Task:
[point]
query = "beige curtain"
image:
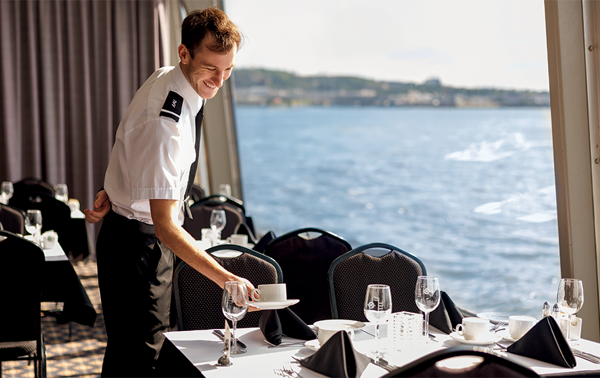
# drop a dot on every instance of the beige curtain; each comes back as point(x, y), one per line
point(69, 70)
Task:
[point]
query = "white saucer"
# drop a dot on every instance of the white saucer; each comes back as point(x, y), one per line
point(273, 305)
point(355, 325)
point(506, 336)
point(313, 344)
point(492, 338)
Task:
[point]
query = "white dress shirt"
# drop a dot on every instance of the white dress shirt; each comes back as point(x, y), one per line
point(154, 147)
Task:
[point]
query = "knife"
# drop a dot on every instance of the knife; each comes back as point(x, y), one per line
point(220, 335)
point(587, 356)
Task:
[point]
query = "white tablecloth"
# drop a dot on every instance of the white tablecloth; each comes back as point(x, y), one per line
point(204, 349)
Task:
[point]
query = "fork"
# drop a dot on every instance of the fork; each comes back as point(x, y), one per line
point(497, 326)
point(287, 368)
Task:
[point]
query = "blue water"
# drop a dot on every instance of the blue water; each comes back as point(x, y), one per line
point(469, 191)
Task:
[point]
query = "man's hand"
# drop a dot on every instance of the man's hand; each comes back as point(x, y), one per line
point(101, 208)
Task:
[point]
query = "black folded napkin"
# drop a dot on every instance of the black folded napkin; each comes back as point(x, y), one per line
point(545, 342)
point(337, 358)
point(276, 323)
point(446, 316)
point(264, 241)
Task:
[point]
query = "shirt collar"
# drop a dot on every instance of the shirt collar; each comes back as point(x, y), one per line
point(190, 95)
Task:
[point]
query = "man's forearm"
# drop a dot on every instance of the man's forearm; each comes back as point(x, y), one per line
point(181, 242)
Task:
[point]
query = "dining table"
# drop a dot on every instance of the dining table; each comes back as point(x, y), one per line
point(195, 353)
point(62, 284)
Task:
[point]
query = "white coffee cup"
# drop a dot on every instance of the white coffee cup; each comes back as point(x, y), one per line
point(238, 239)
point(473, 328)
point(270, 293)
point(49, 239)
point(518, 325)
point(325, 332)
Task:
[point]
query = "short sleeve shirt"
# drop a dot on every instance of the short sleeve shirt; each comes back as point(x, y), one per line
point(154, 146)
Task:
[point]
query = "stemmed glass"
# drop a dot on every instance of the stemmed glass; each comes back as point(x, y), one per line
point(235, 306)
point(217, 222)
point(33, 224)
point(6, 191)
point(427, 297)
point(61, 192)
point(570, 298)
point(378, 309)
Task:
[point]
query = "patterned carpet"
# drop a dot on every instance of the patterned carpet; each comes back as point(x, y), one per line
point(81, 356)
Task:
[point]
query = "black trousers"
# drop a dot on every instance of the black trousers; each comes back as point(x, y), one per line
point(135, 279)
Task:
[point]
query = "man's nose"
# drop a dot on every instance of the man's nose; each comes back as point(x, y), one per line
point(219, 78)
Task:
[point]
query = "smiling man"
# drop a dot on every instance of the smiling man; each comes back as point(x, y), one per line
point(150, 172)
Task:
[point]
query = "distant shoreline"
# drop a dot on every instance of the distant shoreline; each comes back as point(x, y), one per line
point(276, 88)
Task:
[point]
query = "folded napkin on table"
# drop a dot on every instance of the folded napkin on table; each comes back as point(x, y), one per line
point(545, 342)
point(337, 358)
point(446, 316)
point(276, 323)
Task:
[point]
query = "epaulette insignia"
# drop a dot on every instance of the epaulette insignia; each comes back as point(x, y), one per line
point(172, 106)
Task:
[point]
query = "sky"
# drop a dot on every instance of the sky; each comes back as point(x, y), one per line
point(464, 43)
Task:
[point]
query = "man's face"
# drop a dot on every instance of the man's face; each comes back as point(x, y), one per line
point(207, 71)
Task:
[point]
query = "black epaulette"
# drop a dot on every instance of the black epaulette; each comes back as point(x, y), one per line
point(172, 106)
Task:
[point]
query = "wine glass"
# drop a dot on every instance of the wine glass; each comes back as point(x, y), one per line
point(378, 309)
point(33, 224)
point(217, 222)
point(6, 191)
point(235, 306)
point(225, 190)
point(61, 192)
point(570, 298)
point(427, 297)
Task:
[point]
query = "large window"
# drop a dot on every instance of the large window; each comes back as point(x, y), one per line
point(461, 179)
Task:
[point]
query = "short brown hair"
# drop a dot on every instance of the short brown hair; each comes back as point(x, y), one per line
point(211, 20)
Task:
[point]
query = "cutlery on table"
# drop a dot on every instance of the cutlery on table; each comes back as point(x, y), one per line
point(383, 364)
point(220, 335)
point(271, 345)
point(586, 356)
point(287, 368)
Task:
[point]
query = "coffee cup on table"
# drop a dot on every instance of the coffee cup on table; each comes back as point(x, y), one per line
point(518, 325)
point(324, 332)
point(270, 293)
point(238, 239)
point(473, 328)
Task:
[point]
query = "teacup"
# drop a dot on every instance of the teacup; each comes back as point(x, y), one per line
point(325, 332)
point(49, 239)
point(473, 328)
point(270, 293)
point(518, 325)
point(238, 239)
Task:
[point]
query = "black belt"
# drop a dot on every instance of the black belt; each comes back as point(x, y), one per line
point(130, 224)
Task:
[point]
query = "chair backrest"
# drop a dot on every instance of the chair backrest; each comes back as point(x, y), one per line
point(462, 361)
point(21, 278)
point(202, 209)
point(196, 193)
point(376, 263)
point(198, 299)
point(304, 256)
point(12, 219)
point(28, 186)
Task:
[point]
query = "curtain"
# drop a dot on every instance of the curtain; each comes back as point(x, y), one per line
point(69, 71)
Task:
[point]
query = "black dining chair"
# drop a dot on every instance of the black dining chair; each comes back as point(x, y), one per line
point(12, 219)
point(462, 361)
point(198, 299)
point(304, 256)
point(21, 279)
point(376, 263)
point(29, 186)
point(201, 210)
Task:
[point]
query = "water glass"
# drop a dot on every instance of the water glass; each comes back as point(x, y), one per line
point(406, 328)
point(427, 297)
point(217, 222)
point(33, 224)
point(6, 191)
point(570, 298)
point(378, 308)
point(235, 305)
point(61, 192)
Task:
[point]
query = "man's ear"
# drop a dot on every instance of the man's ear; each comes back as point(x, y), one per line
point(184, 54)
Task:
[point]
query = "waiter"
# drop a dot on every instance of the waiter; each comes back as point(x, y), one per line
point(149, 175)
